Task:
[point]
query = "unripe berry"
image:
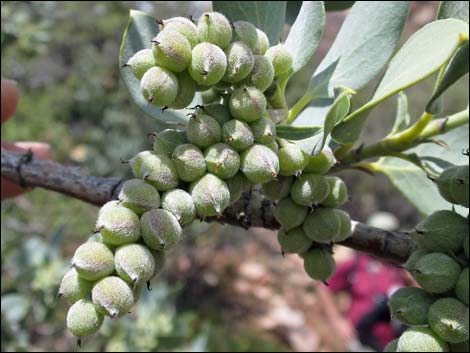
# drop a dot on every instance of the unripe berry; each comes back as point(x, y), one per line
point(310, 189)
point(156, 169)
point(203, 131)
point(240, 62)
point(280, 58)
point(262, 75)
point(277, 189)
point(264, 131)
point(218, 111)
point(346, 226)
point(421, 339)
point(210, 195)
point(237, 134)
point(180, 204)
point(278, 116)
point(262, 43)
point(392, 346)
point(208, 64)
point(171, 50)
point(461, 289)
point(247, 104)
point(273, 146)
point(166, 141)
point(160, 229)
point(213, 27)
point(184, 26)
point(209, 96)
point(436, 273)
point(117, 224)
point(237, 185)
point(141, 62)
point(293, 240)
point(259, 164)
point(319, 264)
point(323, 225)
point(338, 193)
point(73, 287)
point(289, 214)
point(246, 33)
point(93, 261)
point(291, 160)
point(321, 163)
point(134, 263)
point(410, 305)
point(448, 318)
point(112, 296)
point(189, 162)
point(139, 196)
point(410, 264)
point(83, 319)
point(453, 185)
point(222, 160)
point(159, 86)
point(186, 91)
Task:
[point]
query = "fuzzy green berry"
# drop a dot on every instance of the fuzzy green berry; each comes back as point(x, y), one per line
point(310, 189)
point(259, 164)
point(180, 204)
point(211, 195)
point(346, 226)
point(280, 58)
point(134, 263)
point(182, 25)
point(461, 289)
point(410, 264)
point(338, 193)
point(453, 185)
point(141, 62)
point(319, 264)
point(289, 214)
point(112, 296)
point(171, 50)
point(189, 162)
point(291, 160)
point(159, 86)
point(83, 319)
point(93, 260)
point(246, 33)
point(321, 163)
point(262, 43)
point(222, 160)
point(240, 62)
point(247, 104)
point(208, 64)
point(448, 318)
point(186, 91)
point(273, 146)
point(218, 111)
point(323, 225)
point(167, 140)
point(410, 305)
point(264, 131)
point(421, 339)
point(160, 229)
point(278, 189)
point(237, 134)
point(262, 75)
point(209, 96)
point(436, 273)
point(73, 287)
point(237, 185)
point(278, 116)
point(213, 27)
point(156, 169)
point(203, 131)
point(118, 224)
point(293, 240)
point(392, 346)
point(139, 196)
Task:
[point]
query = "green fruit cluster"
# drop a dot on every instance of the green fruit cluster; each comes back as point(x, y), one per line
point(438, 311)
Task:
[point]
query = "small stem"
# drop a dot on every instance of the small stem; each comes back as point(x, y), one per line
point(299, 106)
point(410, 134)
point(441, 126)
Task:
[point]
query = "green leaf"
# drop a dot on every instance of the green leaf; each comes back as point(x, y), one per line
point(338, 111)
point(402, 118)
point(296, 133)
point(268, 16)
point(453, 9)
point(141, 28)
point(457, 68)
point(305, 34)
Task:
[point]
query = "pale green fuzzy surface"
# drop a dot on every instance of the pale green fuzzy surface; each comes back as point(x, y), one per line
point(141, 62)
point(117, 224)
point(322, 225)
point(461, 290)
point(83, 319)
point(208, 64)
point(73, 288)
point(410, 305)
point(156, 169)
point(319, 264)
point(421, 339)
point(293, 240)
point(278, 189)
point(448, 318)
point(346, 226)
point(112, 296)
point(237, 185)
point(436, 273)
point(413, 259)
point(160, 229)
point(260, 164)
point(213, 27)
point(291, 160)
point(442, 231)
point(246, 33)
point(289, 214)
point(189, 162)
point(186, 91)
point(184, 26)
point(203, 131)
point(240, 62)
point(280, 58)
point(219, 112)
point(262, 75)
point(237, 134)
point(139, 196)
point(222, 160)
point(211, 195)
point(321, 163)
point(93, 261)
point(173, 51)
point(166, 141)
point(338, 193)
point(278, 115)
point(247, 104)
point(392, 346)
point(310, 189)
point(159, 86)
point(273, 146)
point(180, 204)
point(262, 42)
point(453, 185)
point(264, 131)
point(134, 263)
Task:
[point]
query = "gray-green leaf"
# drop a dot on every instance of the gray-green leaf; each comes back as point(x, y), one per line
point(338, 111)
point(402, 118)
point(453, 9)
point(296, 133)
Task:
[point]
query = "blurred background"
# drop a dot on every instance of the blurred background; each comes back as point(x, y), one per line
point(224, 289)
